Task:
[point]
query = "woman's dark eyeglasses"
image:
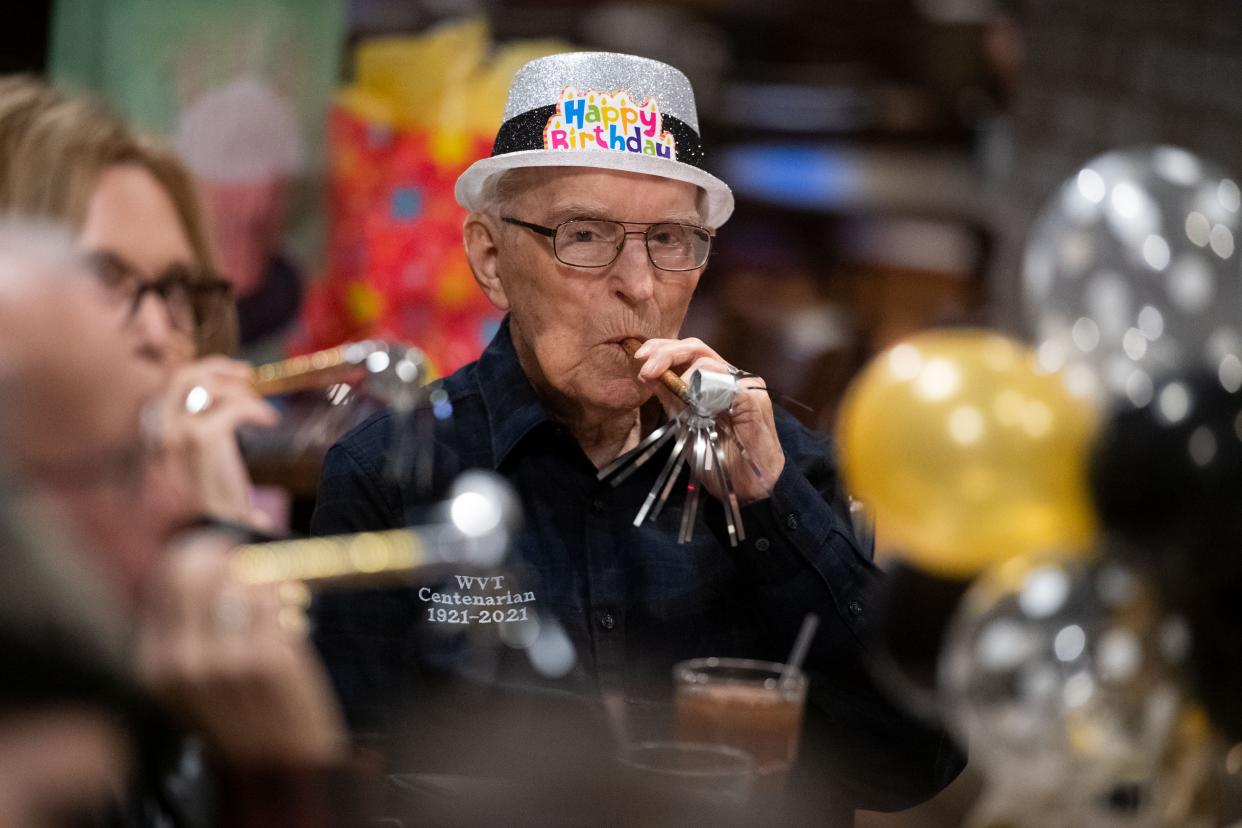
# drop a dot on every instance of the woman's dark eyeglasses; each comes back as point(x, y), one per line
point(598, 242)
point(196, 298)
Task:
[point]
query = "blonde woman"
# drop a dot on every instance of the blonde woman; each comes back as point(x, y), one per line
point(215, 652)
point(134, 211)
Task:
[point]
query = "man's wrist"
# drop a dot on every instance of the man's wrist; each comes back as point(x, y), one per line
point(768, 481)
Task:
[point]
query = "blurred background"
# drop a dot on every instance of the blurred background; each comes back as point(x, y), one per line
point(867, 141)
point(889, 157)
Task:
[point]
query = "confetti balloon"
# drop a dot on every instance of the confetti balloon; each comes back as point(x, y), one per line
point(1132, 271)
point(966, 452)
point(1064, 678)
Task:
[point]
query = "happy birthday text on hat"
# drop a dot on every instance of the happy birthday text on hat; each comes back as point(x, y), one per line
point(612, 121)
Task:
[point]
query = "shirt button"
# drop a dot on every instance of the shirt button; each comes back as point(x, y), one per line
point(606, 621)
point(792, 522)
point(598, 504)
point(762, 544)
point(855, 608)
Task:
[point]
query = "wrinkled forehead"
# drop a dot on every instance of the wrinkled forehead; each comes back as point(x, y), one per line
point(598, 193)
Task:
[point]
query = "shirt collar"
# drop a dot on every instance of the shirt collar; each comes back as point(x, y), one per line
point(513, 408)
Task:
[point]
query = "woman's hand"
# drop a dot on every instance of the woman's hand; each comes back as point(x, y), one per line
point(233, 660)
point(203, 404)
point(751, 416)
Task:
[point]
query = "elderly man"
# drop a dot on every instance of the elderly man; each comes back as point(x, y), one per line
point(591, 224)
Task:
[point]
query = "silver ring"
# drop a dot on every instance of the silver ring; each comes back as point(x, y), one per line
point(197, 400)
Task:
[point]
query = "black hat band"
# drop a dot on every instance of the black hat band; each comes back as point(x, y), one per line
point(526, 132)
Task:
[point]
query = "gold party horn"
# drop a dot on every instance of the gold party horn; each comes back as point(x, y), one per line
point(316, 370)
point(482, 510)
point(670, 380)
point(370, 557)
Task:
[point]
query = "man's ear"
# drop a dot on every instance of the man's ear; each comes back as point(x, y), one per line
point(482, 237)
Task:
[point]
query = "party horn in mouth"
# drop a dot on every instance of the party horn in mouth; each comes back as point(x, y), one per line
point(670, 380)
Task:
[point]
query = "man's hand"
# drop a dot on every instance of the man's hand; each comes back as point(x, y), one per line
point(751, 415)
point(233, 660)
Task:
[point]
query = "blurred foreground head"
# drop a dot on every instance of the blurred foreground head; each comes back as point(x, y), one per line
point(73, 399)
point(65, 752)
point(67, 698)
point(130, 204)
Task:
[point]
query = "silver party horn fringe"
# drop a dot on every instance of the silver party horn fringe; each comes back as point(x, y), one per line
point(698, 431)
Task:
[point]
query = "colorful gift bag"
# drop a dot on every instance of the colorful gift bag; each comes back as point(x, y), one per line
point(421, 110)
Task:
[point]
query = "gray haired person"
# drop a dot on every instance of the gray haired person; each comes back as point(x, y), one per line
point(591, 224)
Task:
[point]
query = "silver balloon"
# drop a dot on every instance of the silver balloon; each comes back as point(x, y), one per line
point(1132, 270)
point(1062, 677)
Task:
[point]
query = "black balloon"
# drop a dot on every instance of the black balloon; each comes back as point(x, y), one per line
point(1168, 476)
point(1167, 483)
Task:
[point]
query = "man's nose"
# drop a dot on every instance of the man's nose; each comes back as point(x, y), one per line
point(633, 272)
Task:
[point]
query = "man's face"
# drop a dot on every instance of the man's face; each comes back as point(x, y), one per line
point(74, 427)
point(569, 321)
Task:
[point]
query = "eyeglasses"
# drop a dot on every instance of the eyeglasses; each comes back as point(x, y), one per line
point(598, 242)
point(196, 298)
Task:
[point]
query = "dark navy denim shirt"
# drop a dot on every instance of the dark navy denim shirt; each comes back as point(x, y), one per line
point(632, 600)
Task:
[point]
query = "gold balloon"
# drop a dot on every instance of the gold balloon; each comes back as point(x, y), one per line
point(966, 452)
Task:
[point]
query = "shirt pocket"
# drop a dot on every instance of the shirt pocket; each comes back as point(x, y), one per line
point(668, 581)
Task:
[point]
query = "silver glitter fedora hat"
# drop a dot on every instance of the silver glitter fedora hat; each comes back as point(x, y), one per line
point(603, 110)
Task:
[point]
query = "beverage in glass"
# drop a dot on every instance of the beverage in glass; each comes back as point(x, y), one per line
point(746, 705)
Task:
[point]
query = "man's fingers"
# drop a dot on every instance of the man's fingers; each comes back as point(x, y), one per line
point(223, 654)
point(705, 363)
point(645, 349)
point(192, 576)
point(660, 355)
point(671, 402)
point(182, 618)
point(751, 415)
point(754, 391)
